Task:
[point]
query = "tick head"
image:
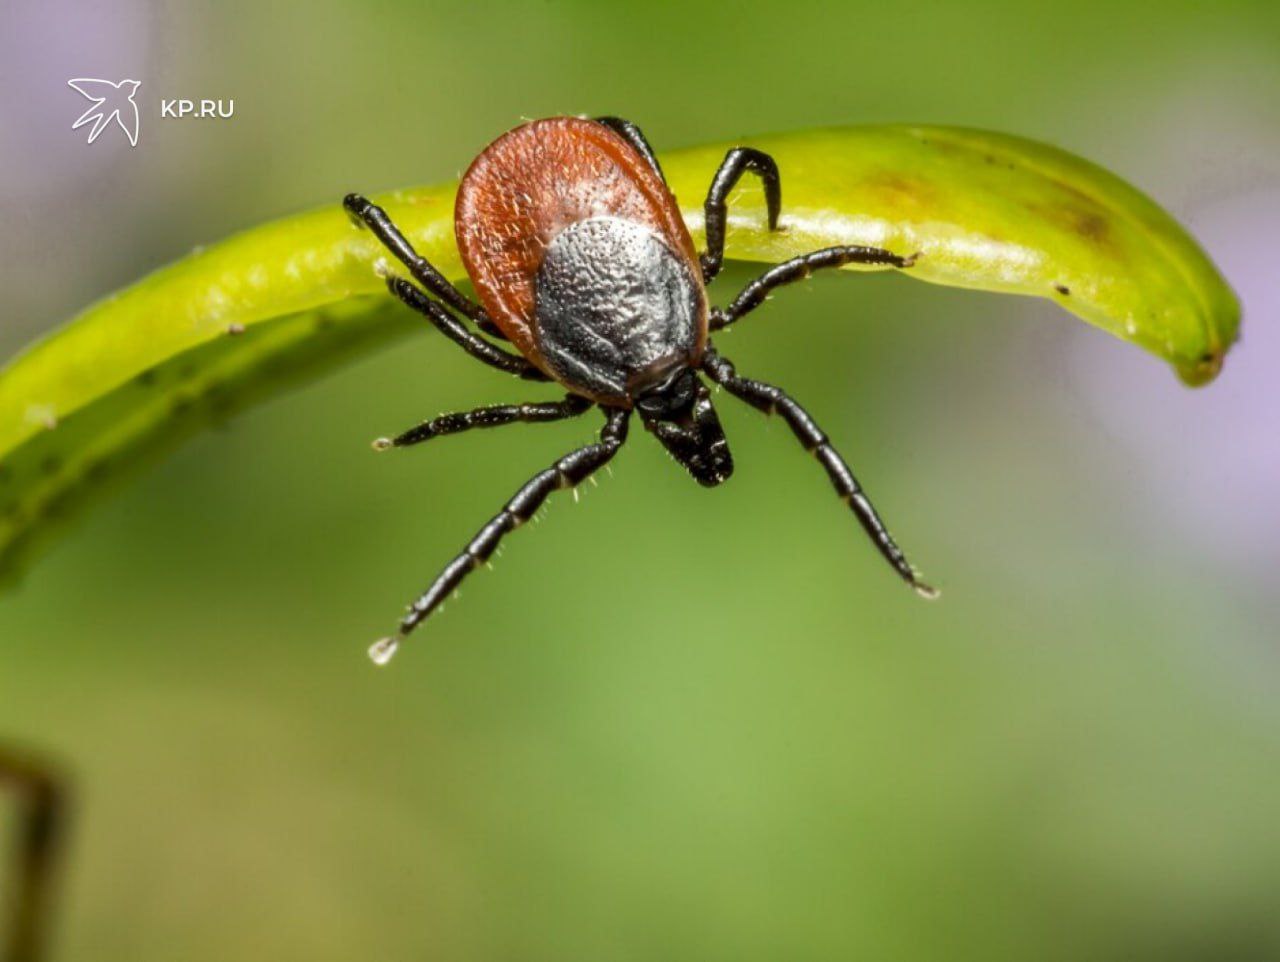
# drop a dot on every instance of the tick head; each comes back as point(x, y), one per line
point(678, 411)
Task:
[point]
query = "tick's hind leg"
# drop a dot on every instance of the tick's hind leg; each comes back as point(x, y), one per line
point(798, 269)
point(487, 417)
point(633, 135)
point(368, 214)
point(571, 469)
point(771, 400)
point(42, 805)
point(736, 163)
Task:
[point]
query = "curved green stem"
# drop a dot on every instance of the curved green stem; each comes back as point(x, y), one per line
point(230, 324)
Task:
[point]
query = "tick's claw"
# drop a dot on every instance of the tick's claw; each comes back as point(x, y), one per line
point(384, 649)
point(383, 444)
point(927, 592)
point(355, 205)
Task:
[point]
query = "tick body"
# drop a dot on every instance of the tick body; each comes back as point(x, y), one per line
point(581, 260)
point(579, 254)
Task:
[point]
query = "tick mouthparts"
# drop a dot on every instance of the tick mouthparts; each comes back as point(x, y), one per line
point(384, 649)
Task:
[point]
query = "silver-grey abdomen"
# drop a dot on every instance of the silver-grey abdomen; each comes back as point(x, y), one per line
point(615, 305)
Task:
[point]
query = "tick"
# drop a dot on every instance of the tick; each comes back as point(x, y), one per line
point(582, 262)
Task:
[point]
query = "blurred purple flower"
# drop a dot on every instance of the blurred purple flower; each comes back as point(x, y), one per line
point(43, 44)
point(1213, 454)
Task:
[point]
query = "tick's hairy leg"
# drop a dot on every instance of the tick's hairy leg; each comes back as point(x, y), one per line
point(568, 472)
point(368, 214)
point(633, 135)
point(736, 162)
point(456, 331)
point(773, 400)
point(487, 417)
point(798, 269)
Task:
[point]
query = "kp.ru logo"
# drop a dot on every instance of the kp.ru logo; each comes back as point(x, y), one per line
point(197, 108)
point(114, 101)
point(111, 101)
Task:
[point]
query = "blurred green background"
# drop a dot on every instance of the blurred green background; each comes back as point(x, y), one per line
point(672, 723)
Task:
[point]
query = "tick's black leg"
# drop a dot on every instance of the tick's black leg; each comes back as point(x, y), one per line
point(457, 332)
point(365, 212)
point(736, 162)
point(797, 269)
point(42, 806)
point(632, 134)
point(571, 469)
point(771, 400)
point(487, 417)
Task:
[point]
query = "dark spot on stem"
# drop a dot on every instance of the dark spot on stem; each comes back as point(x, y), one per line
point(1062, 289)
point(50, 464)
point(1090, 225)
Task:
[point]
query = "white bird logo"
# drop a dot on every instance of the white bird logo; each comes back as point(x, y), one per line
point(111, 101)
